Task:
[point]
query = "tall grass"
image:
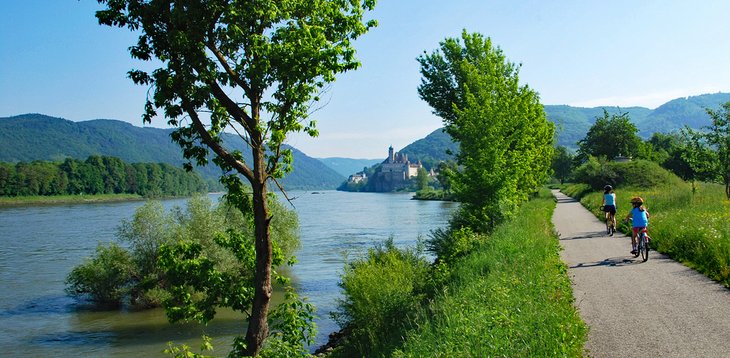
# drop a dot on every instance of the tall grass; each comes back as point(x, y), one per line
point(510, 297)
point(690, 228)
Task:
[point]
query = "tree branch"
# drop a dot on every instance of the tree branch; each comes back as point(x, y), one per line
point(232, 107)
point(214, 145)
point(286, 196)
point(222, 60)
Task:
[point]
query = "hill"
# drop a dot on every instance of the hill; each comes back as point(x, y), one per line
point(572, 123)
point(431, 149)
point(348, 166)
point(31, 137)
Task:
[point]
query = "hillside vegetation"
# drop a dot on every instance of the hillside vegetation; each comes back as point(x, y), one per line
point(432, 149)
point(30, 137)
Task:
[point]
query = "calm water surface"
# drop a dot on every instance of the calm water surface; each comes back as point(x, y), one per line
point(40, 245)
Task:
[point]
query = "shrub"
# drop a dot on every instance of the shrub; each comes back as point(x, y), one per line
point(143, 282)
point(105, 278)
point(381, 290)
point(448, 245)
point(639, 173)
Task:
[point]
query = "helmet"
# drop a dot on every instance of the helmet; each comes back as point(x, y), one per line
point(637, 200)
point(607, 187)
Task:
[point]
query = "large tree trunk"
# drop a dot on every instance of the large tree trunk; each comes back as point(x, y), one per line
point(258, 328)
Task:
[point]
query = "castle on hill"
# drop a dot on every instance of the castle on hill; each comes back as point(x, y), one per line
point(394, 173)
point(398, 167)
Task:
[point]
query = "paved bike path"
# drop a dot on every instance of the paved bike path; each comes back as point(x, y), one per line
point(658, 308)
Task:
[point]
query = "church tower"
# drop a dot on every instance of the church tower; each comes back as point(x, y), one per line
point(391, 155)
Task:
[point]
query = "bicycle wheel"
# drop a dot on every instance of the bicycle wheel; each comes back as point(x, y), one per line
point(644, 248)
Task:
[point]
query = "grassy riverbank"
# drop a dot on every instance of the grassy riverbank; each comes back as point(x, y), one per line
point(691, 228)
point(433, 194)
point(67, 199)
point(509, 296)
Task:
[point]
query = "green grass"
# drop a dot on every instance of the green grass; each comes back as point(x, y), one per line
point(433, 194)
point(510, 297)
point(66, 199)
point(691, 228)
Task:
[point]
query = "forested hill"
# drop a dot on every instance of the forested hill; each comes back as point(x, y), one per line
point(431, 149)
point(31, 137)
point(572, 123)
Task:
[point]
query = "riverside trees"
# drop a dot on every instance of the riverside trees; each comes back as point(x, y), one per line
point(253, 68)
point(505, 140)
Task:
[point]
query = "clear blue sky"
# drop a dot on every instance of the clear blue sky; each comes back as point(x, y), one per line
point(56, 60)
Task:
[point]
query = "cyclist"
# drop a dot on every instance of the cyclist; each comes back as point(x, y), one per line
point(640, 218)
point(609, 206)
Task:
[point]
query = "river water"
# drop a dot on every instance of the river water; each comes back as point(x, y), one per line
point(39, 245)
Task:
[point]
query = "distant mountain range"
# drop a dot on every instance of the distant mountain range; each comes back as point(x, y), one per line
point(572, 123)
point(349, 166)
point(31, 137)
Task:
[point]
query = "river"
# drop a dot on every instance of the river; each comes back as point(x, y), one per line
point(39, 245)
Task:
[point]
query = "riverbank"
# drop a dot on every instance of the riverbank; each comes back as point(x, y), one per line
point(509, 296)
point(434, 194)
point(68, 199)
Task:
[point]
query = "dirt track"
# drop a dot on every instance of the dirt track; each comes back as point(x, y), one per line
point(657, 308)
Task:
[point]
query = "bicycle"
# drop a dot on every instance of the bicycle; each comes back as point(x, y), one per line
point(642, 246)
point(642, 243)
point(610, 221)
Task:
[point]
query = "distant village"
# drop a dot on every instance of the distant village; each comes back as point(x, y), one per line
point(393, 174)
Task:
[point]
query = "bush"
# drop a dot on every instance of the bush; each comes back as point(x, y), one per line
point(639, 173)
point(115, 274)
point(380, 291)
point(448, 245)
point(105, 278)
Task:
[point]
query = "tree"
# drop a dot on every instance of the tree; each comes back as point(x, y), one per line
point(446, 171)
point(562, 163)
point(253, 68)
point(611, 136)
point(422, 179)
point(505, 140)
point(718, 136)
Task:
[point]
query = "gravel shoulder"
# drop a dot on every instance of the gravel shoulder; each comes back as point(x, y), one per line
point(658, 308)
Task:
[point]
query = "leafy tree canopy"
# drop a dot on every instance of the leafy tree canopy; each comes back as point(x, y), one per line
point(505, 140)
point(611, 136)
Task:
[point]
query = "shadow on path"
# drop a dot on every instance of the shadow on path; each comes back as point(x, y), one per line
point(566, 199)
point(589, 235)
point(609, 262)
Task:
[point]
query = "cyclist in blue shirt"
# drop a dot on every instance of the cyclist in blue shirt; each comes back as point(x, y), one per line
point(640, 220)
point(609, 206)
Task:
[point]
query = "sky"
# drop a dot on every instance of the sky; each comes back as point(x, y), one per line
point(56, 60)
